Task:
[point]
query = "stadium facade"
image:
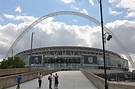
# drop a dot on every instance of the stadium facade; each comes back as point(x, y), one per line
point(73, 57)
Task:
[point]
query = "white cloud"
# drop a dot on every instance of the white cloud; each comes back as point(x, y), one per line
point(84, 11)
point(47, 33)
point(112, 1)
point(130, 5)
point(75, 8)
point(91, 2)
point(114, 12)
point(124, 29)
point(18, 9)
point(9, 16)
point(68, 1)
point(26, 19)
point(131, 14)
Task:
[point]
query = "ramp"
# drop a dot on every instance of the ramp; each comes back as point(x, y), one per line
point(67, 80)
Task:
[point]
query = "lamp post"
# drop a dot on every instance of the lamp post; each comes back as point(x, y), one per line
point(105, 76)
point(31, 51)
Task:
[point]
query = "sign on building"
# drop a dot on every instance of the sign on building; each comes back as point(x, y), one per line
point(90, 59)
point(36, 60)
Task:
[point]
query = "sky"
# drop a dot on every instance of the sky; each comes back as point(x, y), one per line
point(66, 30)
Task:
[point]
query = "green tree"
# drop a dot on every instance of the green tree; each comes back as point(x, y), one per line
point(4, 64)
point(13, 62)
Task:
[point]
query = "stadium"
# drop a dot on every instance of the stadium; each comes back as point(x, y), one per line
point(73, 57)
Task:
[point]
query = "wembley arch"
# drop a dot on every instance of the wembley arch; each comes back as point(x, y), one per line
point(71, 13)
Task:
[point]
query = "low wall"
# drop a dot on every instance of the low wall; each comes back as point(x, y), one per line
point(8, 81)
point(99, 82)
point(121, 85)
point(5, 72)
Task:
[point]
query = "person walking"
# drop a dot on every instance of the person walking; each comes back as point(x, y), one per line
point(50, 81)
point(19, 78)
point(40, 79)
point(53, 78)
point(56, 81)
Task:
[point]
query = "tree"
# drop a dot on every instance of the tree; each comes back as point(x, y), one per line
point(13, 62)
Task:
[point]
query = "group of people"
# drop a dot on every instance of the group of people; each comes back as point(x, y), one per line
point(51, 78)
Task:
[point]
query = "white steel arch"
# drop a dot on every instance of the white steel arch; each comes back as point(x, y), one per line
point(71, 13)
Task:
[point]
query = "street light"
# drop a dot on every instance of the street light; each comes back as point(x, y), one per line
point(31, 51)
point(108, 37)
point(103, 42)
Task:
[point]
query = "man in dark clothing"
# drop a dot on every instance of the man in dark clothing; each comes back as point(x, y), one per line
point(56, 81)
point(19, 78)
point(50, 81)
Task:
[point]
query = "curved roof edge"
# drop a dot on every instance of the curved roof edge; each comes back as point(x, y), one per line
point(71, 47)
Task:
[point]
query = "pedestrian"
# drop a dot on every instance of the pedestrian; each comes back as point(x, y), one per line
point(53, 78)
point(56, 81)
point(50, 81)
point(19, 78)
point(40, 79)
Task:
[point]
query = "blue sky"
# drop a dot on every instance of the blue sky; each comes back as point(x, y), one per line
point(16, 15)
point(42, 7)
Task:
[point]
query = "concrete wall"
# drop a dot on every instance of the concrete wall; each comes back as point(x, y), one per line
point(121, 85)
point(8, 81)
point(4, 72)
point(101, 71)
point(99, 82)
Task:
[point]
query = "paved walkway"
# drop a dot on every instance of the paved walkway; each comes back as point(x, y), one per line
point(67, 80)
